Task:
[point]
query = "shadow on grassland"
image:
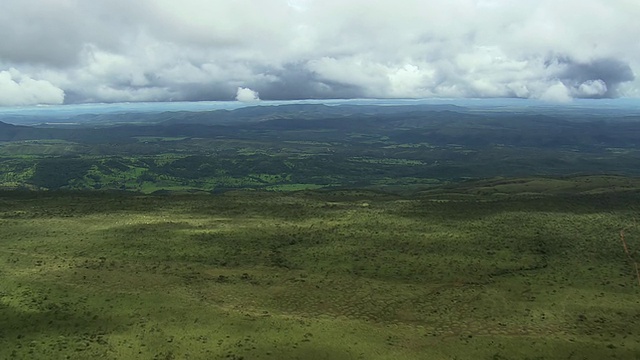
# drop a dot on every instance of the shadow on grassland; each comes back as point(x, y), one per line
point(475, 207)
point(48, 204)
point(56, 328)
point(258, 204)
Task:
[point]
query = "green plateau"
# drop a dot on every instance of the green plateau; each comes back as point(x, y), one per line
point(321, 232)
point(322, 274)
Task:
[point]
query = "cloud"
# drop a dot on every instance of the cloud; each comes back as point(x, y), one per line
point(17, 89)
point(297, 81)
point(247, 95)
point(592, 88)
point(159, 50)
point(597, 78)
point(557, 92)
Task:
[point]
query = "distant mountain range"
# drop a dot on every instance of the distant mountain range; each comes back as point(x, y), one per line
point(440, 124)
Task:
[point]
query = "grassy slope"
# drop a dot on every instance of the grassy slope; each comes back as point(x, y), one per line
point(319, 275)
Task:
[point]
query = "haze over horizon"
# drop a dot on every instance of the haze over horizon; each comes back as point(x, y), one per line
point(105, 51)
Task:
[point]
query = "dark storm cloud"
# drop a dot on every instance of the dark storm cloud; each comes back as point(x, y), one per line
point(612, 72)
point(203, 92)
point(295, 81)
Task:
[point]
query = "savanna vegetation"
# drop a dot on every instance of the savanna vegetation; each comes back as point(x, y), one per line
point(321, 275)
point(397, 236)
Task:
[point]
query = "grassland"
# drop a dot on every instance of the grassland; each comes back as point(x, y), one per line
point(482, 270)
point(329, 233)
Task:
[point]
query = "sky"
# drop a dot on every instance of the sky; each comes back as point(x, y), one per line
point(103, 51)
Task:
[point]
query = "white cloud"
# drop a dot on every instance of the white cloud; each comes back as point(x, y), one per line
point(592, 88)
point(557, 92)
point(411, 81)
point(298, 5)
point(106, 50)
point(247, 95)
point(18, 89)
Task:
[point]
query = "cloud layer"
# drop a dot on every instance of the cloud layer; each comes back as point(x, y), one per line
point(161, 50)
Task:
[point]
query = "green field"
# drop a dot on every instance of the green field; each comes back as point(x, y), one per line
point(479, 270)
point(316, 232)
